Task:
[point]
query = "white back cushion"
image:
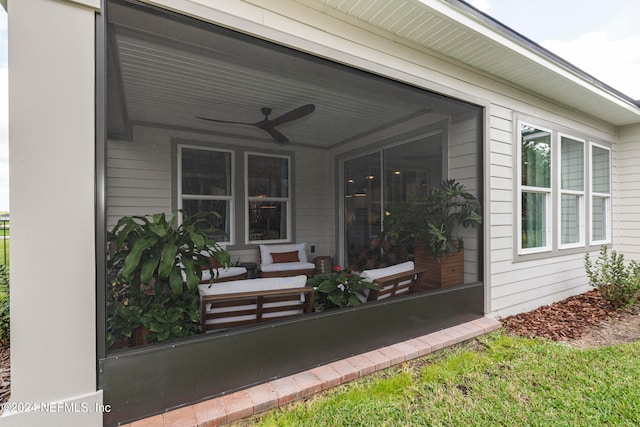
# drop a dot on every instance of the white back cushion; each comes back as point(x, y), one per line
point(376, 273)
point(267, 250)
point(251, 285)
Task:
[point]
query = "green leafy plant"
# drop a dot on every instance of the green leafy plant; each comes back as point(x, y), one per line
point(339, 289)
point(4, 305)
point(435, 219)
point(442, 213)
point(155, 266)
point(617, 281)
point(172, 317)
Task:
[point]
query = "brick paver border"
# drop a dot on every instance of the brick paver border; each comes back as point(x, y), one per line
point(245, 403)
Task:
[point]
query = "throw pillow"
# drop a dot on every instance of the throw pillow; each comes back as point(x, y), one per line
point(285, 257)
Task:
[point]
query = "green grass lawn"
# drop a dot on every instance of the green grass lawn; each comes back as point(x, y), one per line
point(495, 381)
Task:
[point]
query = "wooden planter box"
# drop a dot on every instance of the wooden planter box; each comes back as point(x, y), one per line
point(447, 271)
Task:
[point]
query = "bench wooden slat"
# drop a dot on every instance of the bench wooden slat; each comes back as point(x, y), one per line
point(393, 285)
point(257, 299)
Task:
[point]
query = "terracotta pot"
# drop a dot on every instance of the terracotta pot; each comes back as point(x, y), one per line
point(447, 271)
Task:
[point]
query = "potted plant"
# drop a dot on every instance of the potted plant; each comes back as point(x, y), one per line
point(154, 268)
point(339, 289)
point(440, 217)
point(434, 222)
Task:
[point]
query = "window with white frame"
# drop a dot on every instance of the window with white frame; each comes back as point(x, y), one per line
point(568, 175)
point(535, 189)
point(572, 191)
point(600, 194)
point(205, 184)
point(268, 208)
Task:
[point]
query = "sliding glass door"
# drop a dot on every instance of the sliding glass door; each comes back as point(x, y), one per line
point(376, 182)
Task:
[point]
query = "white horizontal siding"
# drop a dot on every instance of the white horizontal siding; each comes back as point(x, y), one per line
point(627, 193)
point(139, 182)
point(138, 178)
point(517, 285)
point(315, 201)
point(463, 166)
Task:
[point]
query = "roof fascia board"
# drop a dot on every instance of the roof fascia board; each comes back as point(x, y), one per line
point(473, 23)
point(92, 4)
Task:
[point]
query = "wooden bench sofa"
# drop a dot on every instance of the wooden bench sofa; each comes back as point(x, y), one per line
point(225, 305)
point(244, 302)
point(399, 279)
point(285, 260)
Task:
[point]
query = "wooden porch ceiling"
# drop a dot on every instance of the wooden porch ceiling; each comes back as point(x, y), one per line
point(167, 73)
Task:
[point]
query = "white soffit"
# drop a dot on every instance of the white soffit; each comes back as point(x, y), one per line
point(458, 32)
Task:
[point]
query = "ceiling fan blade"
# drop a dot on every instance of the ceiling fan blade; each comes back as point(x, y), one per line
point(295, 114)
point(224, 121)
point(277, 136)
point(269, 126)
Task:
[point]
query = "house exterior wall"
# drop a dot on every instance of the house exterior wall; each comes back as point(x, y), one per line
point(53, 293)
point(512, 284)
point(627, 187)
point(140, 181)
point(462, 165)
point(520, 285)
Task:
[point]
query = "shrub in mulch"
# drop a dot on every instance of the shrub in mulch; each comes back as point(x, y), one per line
point(566, 319)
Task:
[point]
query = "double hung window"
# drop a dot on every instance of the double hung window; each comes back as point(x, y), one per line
point(600, 194)
point(268, 209)
point(572, 190)
point(535, 230)
point(566, 175)
point(205, 184)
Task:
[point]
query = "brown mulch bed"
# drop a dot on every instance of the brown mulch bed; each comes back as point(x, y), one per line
point(585, 320)
point(566, 319)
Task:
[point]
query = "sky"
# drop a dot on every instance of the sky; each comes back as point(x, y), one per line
point(600, 37)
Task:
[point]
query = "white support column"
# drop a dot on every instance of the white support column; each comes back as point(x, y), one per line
point(51, 146)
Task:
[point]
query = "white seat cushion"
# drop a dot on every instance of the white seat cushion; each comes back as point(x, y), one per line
point(252, 285)
point(377, 273)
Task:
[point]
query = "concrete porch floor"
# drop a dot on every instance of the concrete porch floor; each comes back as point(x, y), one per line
point(245, 403)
